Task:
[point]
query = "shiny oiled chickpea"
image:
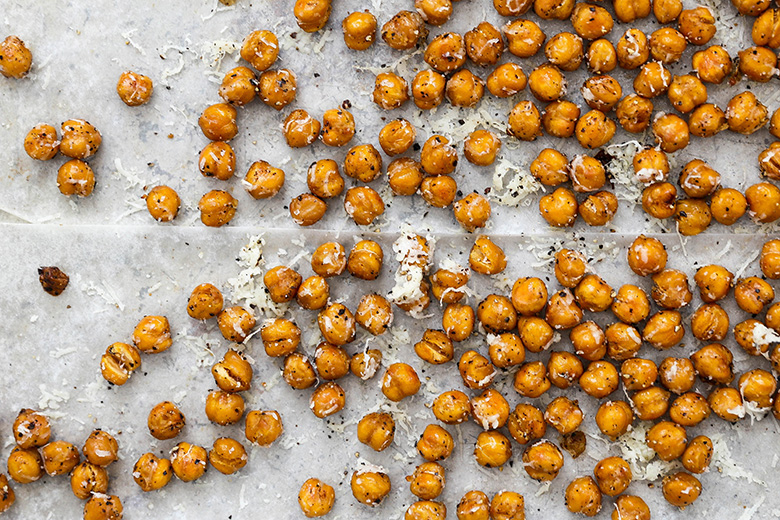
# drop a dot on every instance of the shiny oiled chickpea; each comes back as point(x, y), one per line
point(664, 330)
point(87, 479)
point(594, 129)
point(224, 408)
point(667, 45)
point(570, 267)
point(238, 86)
point(763, 202)
point(751, 7)
point(217, 160)
point(316, 498)
point(370, 487)
point(390, 91)
point(189, 461)
point(768, 160)
point(727, 404)
point(553, 9)
point(614, 418)
point(165, 421)
point(446, 53)
point(745, 114)
point(589, 341)
point(670, 289)
point(505, 350)
point(452, 407)
point(525, 121)
point(397, 136)
point(563, 312)
point(667, 439)
point(426, 510)
point(134, 89)
point(564, 415)
point(634, 112)
point(404, 176)
point(405, 30)
point(435, 443)
point(529, 296)
point(697, 25)
point(227, 455)
point(559, 208)
point(332, 362)
point(458, 321)
point(713, 64)
point(376, 430)
point(300, 129)
point(551, 167)
point(689, 409)
point(743, 333)
point(428, 89)
point(312, 15)
point(476, 370)
point(496, 313)
point(714, 363)
point(601, 92)
point(632, 50)
point(559, 118)
point(547, 83)
point(438, 190)
point(600, 379)
point(565, 51)
point(710, 322)
point(282, 283)
point(757, 387)
point(587, 174)
point(329, 259)
point(630, 507)
point(374, 314)
point(474, 505)
point(535, 333)
point(601, 56)
point(163, 203)
point(727, 205)
point(298, 372)
point(770, 259)
point(363, 204)
point(438, 156)
point(481, 147)
point(753, 294)
point(531, 380)
point(59, 458)
point(338, 127)
point(506, 80)
point(365, 260)
point(472, 211)
point(692, 216)
point(232, 373)
point(671, 132)
point(103, 507)
point(758, 63)
point(434, 347)
point(400, 381)
point(434, 12)
point(524, 37)
point(542, 460)
point(492, 449)
point(15, 62)
point(686, 92)
point(651, 403)
point(707, 120)
point(119, 362)
point(41, 142)
point(100, 448)
point(677, 374)
point(327, 399)
point(218, 122)
point(526, 423)
point(484, 44)
point(75, 177)
point(337, 324)
point(681, 489)
point(652, 80)
point(359, 30)
point(512, 7)
point(593, 293)
point(217, 208)
point(152, 473)
point(613, 475)
point(766, 29)
point(646, 255)
point(651, 165)
point(631, 304)
point(772, 318)
point(464, 89)
point(507, 505)
point(205, 302)
point(235, 323)
point(698, 454)
point(591, 21)
point(263, 181)
point(490, 410)
point(583, 496)
point(638, 374)
point(623, 341)
point(260, 49)
point(25, 466)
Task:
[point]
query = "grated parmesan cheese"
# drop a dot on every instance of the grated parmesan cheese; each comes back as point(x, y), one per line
point(516, 191)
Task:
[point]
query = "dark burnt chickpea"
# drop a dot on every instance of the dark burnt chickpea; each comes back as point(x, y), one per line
point(238, 86)
point(438, 156)
point(490, 409)
point(282, 283)
point(41, 142)
point(686, 92)
point(526, 423)
point(710, 322)
point(550, 167)
point(542, 460)
point(300, 129)
point(646, 255)
point(225, 408)
point(525, 122)
point(484, 44)
point(428, 89)
point(15, 62)
point(564, 415)
point(217, 122)
point(689, 409)
point(472, 211)
point(613, 475)
point(435, 443)
point(594, 129)
point(707, 120)
point(390, 91)
point(650, 403)
point(664, 330)
point(769, 161)
point(714, 363)
point(512, 8)
point(217, 160)
point(365, 260)
point(312, 15)
point(634, 113)
point(338, 127)
point(565, 51)
point(476, 370)
point(75, 177)
point(601, 92)
point(464, 89)
point(758, 63)
point(591, 21)
point(376, 430)
point(506, 80)
point(601, 56)
point(681, 489)
point(205, 302)
point(547, 83)
point(587, 174)
point(163, 203)
point(439, 190)
point(481, 147)
point(446, 53)
point(770, 259)
point(260, 49)
point(134, 89)
point(458, 321)
point(235, 323)
point(559, 208)
point(763, 202)
point(363, 204)
point(614, 418)
point(753, 294)
point(374, 314)
point(359, 30)
point(397, 136)
point(667, 439)
point(600, 379)
point(698, 455)
point(559, 118)
point(745, 114)
point(298, 372)
point(404, 31)
point(307, 209)
point(370, 487)
point(363, 162)
point(324, 180)
point(671, 132)
point(434, 347)
point(652, 80)
point(365, 364)
point(589, 341)
point(453, 407)
point(524, 37)
point(583, 496)
point(492, 449)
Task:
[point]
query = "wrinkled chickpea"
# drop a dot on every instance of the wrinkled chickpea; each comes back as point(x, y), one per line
point(757, 387)
point(614, 418)
point(312, 15)
point(434, 347)
point(239, 86)
point(152, 473)
point(601, 56)
point(31, 429)
point(492, 449)
point(103, 507)
point(681, 489)
point(623, 341)
point(531, 380)
point(280, 337)
point(224, 408)
point(404, 31)
point(400, 381)
point(589, 341)
point(547, 83)
point(664, 329)
point(260, 49)
point(376, 430)
point(524, 37)
point(727, 404)
point(630, 304)
point(651, 403)
point(227, 455)
point(282, 283)
point(634, 113)
point(600, 379)
point(593, 294)
point(591, 21)
point(404, 176)
point(59, 458)
point(435, 443)
point(233, 373)
point(41, 142)
point(374, 314)
point(397, 136)
point(235, 323)
point(486, 257)
point(337, 324)
point(745, 114)
point(458, 321)
point(542, 460)
point(365, 260)
point(217, 208)
point(506, 80)
point(87, 479)
point(474, 505)
point(316, 498)
point(484, 44)
point(300, 129)
point(559, 208)
point(338, 127)
point(587, 174)
point(263, 427)
point(464, 89)
point(428, 88)
point(594, 129)
point(263, 181)
point(481, 147)
point(390, 91)
point(667, 439)
point(298, 372)
point(370, 487)
point(163, 203)
point(613, 475)
point(134, 89)
point(332, 362)
point(75, 177)
point(119, 362)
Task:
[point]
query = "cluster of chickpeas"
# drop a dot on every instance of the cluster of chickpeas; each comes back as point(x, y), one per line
point(152, 335)
point(35, 454)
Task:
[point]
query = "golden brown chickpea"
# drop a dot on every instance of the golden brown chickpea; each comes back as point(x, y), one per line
point(218, 122)
point(453, 407)
point(536, 334)
point(677, 374)
point(405, 30)
point(439, 190)
point(205, 302)
point(103, 507)
point(692, 216)
point(370, 487)
point(100, 448)
point(448, 284)
point(87, 479)
point(505, 350)
point(745, 113)
point(300, 129)
point(359, 30)
point(374, 314)
point(233, 373)
point(282, 283)
point(651, 403)
point(697, 25)
point(332, 362)
point(163, 203)
point(758, 63)
point(667, 11)
point(710, 323)
point(337, 324)
point(526, 423)
point(428, 89)
point(727, 205)
point(15, 62)
point(165, 421)
point(329, 259)
point(512, 8)
point(486, 257)
point(631, 304)
point(446, 52)
point(458, 321)
point(438, 156)
point(434, 347)
point(435, 443)
point(59, 458)
point(225, 408)
point(464, 89)
point(646, 255)
point(277, 88)
point(376, 430)
point(757, 388)
point(623, 341)
point(563, 312)
point(594, 129)
point(751, 7)
point(753, 294)
point(492, 449)
point(686, 92)
point(263, 427)
point(365, 260)
point(714, 363)
point(496, 313)
point(298, 371)
point(770, 259)
point(600, 379)
point(404, 176)
point(712, 64)
point(667, 439)
point(217, 208)
point(396, 137)
point(481, 147)
point(152, 473)
point(324, 180)
point(651, 165)
point(614, 418)
point(633, 51)
point(476, 370)
point(772, 318)
point(524, 37)
point(638, 374)
point(565, 51)
point(671, 132)
point(559, 208)
point(681, 489)
point(553, 9)
point(472, 211)
point(559, 119)
point(589, 341)
point(474, 505)
point(263, 181)
point(41, 142)
point(667, 45)
point(601, 92)
point(664, 330)
point(707, 120)
point(697, 456)
point(743, 333)
point(434, 12)
point(766, 29)
point(525, 122)
point(338, 127)
point(235, 323)
point(31, 429)
point(613, 475)
point(400, 381)
point(652, 80)
point(490, 410)
point(188, 461)
point(689, 409)
point(564, 415)
point(570, 267)
point(134, 89)
point(484, 44)
point(363, 204)
point(591, 21)
point(507, 505)
point(633, 113)
point(630, 507)
point(529, 296)
point(547, 83)
point(727, 404)
point(75, 177)
point(587, 174)
point(670, 289)
point(217, 160)
point(593, 293)
point(763, 202)
point(25, 466)
point(542, 460)
point(260, 49)
point(506, 80)
point(119, 362)
point(768, 160)
point(601, 56)
point(531, 380)
point(227, 455)
point(390, 91)
point(583, 496)
point(312, 15)
point(238, 86)
point(316, 498)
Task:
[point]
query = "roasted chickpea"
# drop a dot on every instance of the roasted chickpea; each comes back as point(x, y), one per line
point(758, 63)
point(770, 260)
point(559, 208)
point(103, 507)
point(263, 181)
point(235, 323)
point(506, 80)
point(24, 466)
point(710, 322)
point(600, 379)
point(282, 283)
point(277, 88)
point(698, 454)
point(599, 208)
point(564, 415)
point(327, 399)
point(438, 156)
point(300, 129)
point(664, 330)
point(707, 120)
point(681, 489)
point(553, 9)
point(472, 211)
point(428, 88)
point(763, 202)
point(134, 89)
point(670, 289)
point(119, 362)
point(486, 257)
point(481, 147)
point(559, 119)
point(646, 255)
point(583, 496)
point(484, 44)
point(687, 92)
point(31, 429)
point(757, 388)
point(316, 498)
point(338, 127)
point(152, 473)
point(434, 12)
point(188, 461)
point(587, 174)
point(87, 479)
point(667, 439)
point(713, 64)
point(298, 372)
point(727, 205)
point(594, 129)
point(601, 56)
point(390, 91)
point(565, 51)
point(591, 21)
point(638, 374)
point(536, 334)
point(218, 122)
point(434, 347)
point(59, 458)
point(542, 460)
point(427, 481)
point(453, 407)
point(671, 132)
point(529, 296)
point(667, 11)
point(238, 86)
point(438, 190)
point(753, 294)
point(15, 62)
point(531, 380)
point(563, 312)
point(446, 52)
point(205, 302)
point(766, 29)
point(396, 137)
point(692, 216)
point(727, 404)
point(312, 15)
point(75, 177)
point(601, 92)
point(547, 83)
point(613, 475)
point(744, 334)
point(689, 409)
point(525, 122)
point(768, 160)
point(505, 350)
point(448, 284)
point(400, 381)
point(524, 37)
point(260, 49)
point(570, 267)
point(217, 208)
point(677, 374)
point(474, 505)
point(631, 304)
point(651, 403)
point(435, 443)
point(490, 410)
point(233, 373)
point(227, 455)
point(80, 140)
point(714, 364)
point(667, 45)
point(589, 341)
point(630, 507)
point(745, 113)
point(376, 430)
point(510, 8)
point(464, 89)
point(458, 321)
point(263, 427)
point(41, 142)
point(623, 341)
point(697, 25)
point(374, 314)
point(337, 324)
point(526, 423)
point(507, 505)
point(404, 31)
point(404, 176)
point(225, 408)
point(332, 362)
point(476, 370)
point(359, 30)
point(633, 113)
point(329, 259)
point(492, 449)
point(614, 418)
point(652, 80)
point(365, 260)
point(163, 203)
point(370, 487)
point(593, 293)
point(496, 313)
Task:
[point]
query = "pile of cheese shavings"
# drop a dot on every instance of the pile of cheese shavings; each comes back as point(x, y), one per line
point(517, 190)
point(414, 263)
point(621, 170)
point(641, 458)
point(248, 286)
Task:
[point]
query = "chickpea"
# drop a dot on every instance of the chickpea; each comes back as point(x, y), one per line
point(376, 430)
point(434, 347)
point(59, 458)
point(404, 31)
point(743, 333)
point(563, 312)
point(359, 30)
point(531, 380)
point(757, 387)
point(765, 29)
point(707, 120)
point(163, 203)
point(439, 191)
point(165, 421)
point(651, 165)
point(768, 160)
point(630, 304)
point(698, 454)
point(600, 379)
point(227, 455)
point(681, 489)
point(591, 21)
point(763, 202)
point(370, 487)
point(31, 429)
point(614, 418)
point(87, 479)
point(75, 177)
point(486, 257)
point(601, 56)
point(390, 91)
point(664, 330)
point(400, 381)
point(298, 371)
point(337, 324)
point(260, 49)
point(727, 404)
point(697, 25)
point(312, 15)
point(464, 89)
point(594, 129)
point(41, 142)
point(565, 51)
point(753, 294)
point(589, 341)
point(693, 216)
point(224, 408)
point(587, 174)
point(638, 374)
point(524, 37)
point(751, 7)
point(15, 62)
point(714, 363)
point(24, 466)
point(651, 403)
point(710, 323)
point(396, 137)
point(559, 208)
point(593, 294)
point(505, 350)
point(623, 341)
point(687, 92)
point(134, 89)
point(428, 88)
point(536, 334)
point(601, 92)
point(542, 460)
point(300, 129)
point(652, 80)
point(365, 260)
point(758, 63)
point(770, 260)
point(772, 317)
point(152, 473)
point(434, 12)
point(446, 52)
point(264, 427)
point(745, 113)
point(458, 321)
point(235, 323)
point(613, 475)
point(472, 212)
point(188, 461)
point(490, 410)
point(667, 439)
point(217, 208)
point(280, 337)
point(547, 83)
point(671, 132)
point(205, 302)
point(453, 407)
point(338, 127)
point(238, 86)
point(667, 45)
point(677, 374)
point(492, 449)
point(484, 44)
point(599, 208)
point(103, 507)
point(332, 362)
point(217, 160)
point(476, 370)
point(282, 283)
point(316, 498)
point(507, 505)
point(481, 147)
point(689, 409)
point(553, 9)
point(447, 284)
point(570, 267)
point(670, 289)
point(218, 122)
point(525, 121)
point(633, 113)
point(474, 505)
point(233, 373)
point(728, 205)
point(374, 314)
point(559, 119)
point(404, 176)
point(435, 443)
point(646, 255)
point(119, 362)
point(564, 415)
point(329, 259)
point(438, 156)
point(510, 8)
point(529, 296)
point(496, 313)
point(583, 496)
point(506, 80)
point(427, 481)
point(630, 507)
